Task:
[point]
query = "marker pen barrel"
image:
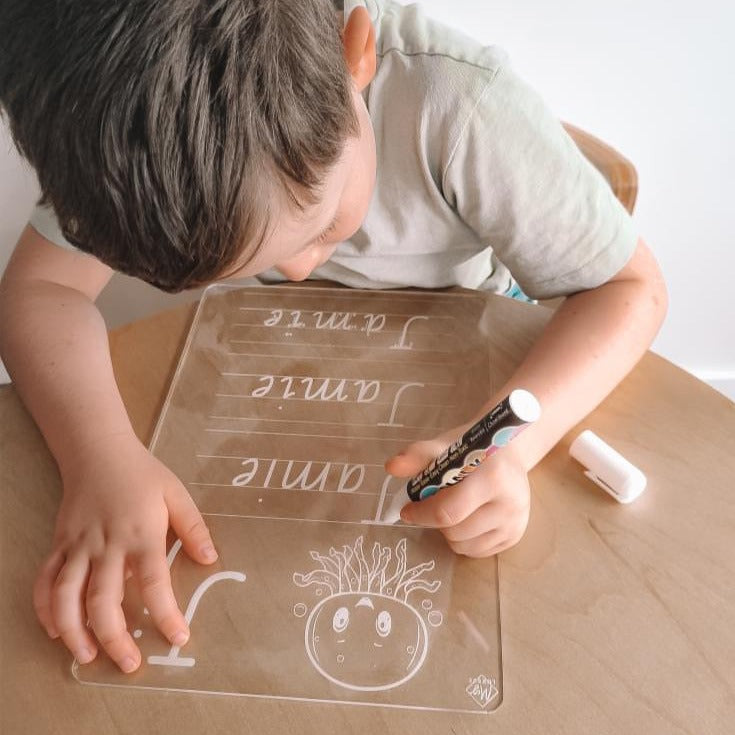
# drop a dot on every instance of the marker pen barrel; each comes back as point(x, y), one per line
point(493, 431)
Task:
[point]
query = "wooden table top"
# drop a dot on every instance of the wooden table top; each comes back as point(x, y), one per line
point(615, 619)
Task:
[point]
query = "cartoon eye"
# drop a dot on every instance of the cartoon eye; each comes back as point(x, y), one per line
point(382, 623)
point(341, 619)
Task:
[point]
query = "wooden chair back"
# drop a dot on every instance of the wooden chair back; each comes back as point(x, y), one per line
point(619, 172)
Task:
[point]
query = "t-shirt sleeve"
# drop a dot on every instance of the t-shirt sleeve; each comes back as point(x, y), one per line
point(519, 181)
point(43, 220)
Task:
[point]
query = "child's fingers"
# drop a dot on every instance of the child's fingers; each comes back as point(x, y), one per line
point(486, 544)
point(189, 526)
point(154, 581)
point(449, 506)
point(42, 589)
point(486, 518)
point(414, 457)
point(68, 611)
point(104, 598)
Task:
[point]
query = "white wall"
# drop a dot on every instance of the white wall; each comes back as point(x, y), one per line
point(652, 78)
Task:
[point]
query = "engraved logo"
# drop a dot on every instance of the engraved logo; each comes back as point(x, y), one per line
point(482, 689)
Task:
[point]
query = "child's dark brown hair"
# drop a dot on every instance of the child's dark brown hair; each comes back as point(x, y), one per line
point(162, 130)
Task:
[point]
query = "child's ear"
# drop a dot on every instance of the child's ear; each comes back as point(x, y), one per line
point(358, 39)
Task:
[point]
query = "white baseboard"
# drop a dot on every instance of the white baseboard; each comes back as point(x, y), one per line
point(721, 380)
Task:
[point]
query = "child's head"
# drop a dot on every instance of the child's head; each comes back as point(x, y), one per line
point(181, 141)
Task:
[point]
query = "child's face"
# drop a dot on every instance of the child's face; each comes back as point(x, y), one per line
point(297, 242)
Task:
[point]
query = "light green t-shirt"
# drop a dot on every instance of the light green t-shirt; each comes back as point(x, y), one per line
point(476, 178)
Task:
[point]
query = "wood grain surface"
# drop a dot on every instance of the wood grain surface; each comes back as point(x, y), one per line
point(615, 619)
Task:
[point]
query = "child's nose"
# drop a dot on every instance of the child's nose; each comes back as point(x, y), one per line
point(300, 266)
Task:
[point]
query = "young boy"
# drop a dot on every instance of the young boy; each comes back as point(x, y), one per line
point(184, 141)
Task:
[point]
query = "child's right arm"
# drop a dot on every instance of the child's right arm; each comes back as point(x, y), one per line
point(118, 499)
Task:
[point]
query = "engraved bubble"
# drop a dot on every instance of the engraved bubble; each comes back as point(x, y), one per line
point(299, 609)
point(435, 618)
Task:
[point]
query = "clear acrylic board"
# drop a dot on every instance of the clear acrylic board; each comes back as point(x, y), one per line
point(283, 409)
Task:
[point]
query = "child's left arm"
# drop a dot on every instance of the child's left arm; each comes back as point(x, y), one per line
point(592, 341)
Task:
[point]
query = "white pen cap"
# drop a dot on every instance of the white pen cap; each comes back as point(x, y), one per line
point(524, 405)
point(608, 468)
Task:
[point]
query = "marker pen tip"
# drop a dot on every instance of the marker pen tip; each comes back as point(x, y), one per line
point(393, 512)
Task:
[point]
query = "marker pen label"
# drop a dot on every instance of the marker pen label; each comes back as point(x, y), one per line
point(493, 431)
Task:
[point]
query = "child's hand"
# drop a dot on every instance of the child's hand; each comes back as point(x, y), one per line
point(118, 504)
point(483, 514)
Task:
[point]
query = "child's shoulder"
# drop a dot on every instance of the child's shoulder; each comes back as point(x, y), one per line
point(406, 31)
point(429, 81)
point(428, 71)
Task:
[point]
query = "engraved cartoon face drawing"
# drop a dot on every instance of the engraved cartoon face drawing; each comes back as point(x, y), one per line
point(368, 639)
point(365, 635)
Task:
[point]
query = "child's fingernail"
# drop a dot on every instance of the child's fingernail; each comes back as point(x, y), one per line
point(52, 633)
point(84, 655)
point(208, 552)
point(180, 638)
point(128, 664)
